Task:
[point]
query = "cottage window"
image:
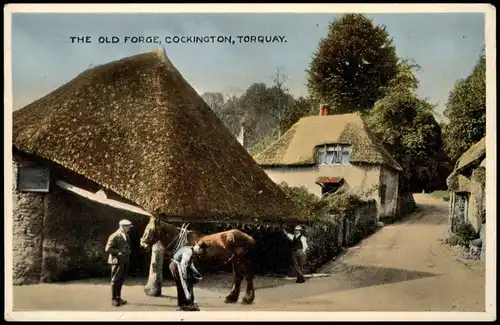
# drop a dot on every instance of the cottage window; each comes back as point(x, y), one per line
point(33, 179)
point(333, 155)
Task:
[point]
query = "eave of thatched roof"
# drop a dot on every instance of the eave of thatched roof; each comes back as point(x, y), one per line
point(136, 127)
point(297, 146)
point(458, 183)
point(473, 156)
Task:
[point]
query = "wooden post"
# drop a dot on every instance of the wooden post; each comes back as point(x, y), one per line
point(155, 279)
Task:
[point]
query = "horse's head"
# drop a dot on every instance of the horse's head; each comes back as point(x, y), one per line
point(152, 233)
point(200, 247)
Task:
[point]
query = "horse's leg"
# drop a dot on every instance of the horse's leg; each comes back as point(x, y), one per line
point(237, 278)
point(250, 293)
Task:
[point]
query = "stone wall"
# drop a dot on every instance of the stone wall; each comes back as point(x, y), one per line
point(389, 182)
point(28, 209)
point(477, 208)
point(327, 240)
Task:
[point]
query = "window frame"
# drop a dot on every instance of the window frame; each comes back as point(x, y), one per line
point(336, 157)
point(46, 176)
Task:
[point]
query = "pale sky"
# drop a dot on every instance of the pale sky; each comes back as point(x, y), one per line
point(445, 45)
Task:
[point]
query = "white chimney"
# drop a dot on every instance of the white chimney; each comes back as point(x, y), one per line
point(241, 136)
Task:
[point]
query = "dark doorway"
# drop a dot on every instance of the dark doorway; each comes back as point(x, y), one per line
point(330, 188)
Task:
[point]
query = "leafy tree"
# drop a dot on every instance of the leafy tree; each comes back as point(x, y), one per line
point(353, 64)
point(214, 100)
point(406, 126)
point(466, 111)
point(232, 114)
point(299, 108)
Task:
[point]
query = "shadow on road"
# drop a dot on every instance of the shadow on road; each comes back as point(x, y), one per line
point(365, 276)
point(345, 277)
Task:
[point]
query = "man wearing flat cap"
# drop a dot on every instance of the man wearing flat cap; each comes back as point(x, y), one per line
point(299, 248)
point(119, 247)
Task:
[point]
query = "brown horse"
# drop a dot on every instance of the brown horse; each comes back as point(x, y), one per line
point(232, 246)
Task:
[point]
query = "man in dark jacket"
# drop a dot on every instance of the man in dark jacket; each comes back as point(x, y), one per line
point(185, 276)
point(119, 247)
point(299, 248)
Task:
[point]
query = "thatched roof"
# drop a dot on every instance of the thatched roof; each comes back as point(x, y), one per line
point(297, 145)
point(473, 156)
point(135, 126)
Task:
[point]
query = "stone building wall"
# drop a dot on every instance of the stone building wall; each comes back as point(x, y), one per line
point(28, 210)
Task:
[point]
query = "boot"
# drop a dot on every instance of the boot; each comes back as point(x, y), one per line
point(119, 294)
point(301, 280)
point(114, 296)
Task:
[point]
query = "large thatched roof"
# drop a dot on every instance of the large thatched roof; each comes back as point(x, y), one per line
point(135, 126)
point(474, 155)
point(297, 145)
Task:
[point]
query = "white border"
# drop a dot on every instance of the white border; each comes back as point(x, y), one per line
point(490, 36)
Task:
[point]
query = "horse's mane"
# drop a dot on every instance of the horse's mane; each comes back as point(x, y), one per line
point(168, 225)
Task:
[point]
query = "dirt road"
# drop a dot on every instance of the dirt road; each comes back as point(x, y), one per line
point(403, 267)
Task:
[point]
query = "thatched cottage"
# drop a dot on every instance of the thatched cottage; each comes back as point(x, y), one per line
point(127, 139)
point(328, 152)
point(467, 184)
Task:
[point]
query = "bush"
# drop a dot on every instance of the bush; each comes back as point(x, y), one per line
point(443, 195)
point(313, 206)
point(339, 203)
point(463, 235)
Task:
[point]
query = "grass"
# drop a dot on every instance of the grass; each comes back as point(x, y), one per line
point(443, 195)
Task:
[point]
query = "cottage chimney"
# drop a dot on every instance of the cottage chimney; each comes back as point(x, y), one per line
point(241, 136)
point(323, 109)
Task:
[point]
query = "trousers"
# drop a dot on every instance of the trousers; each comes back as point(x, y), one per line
point(298, 263)
point(118, 274)
point(182, 301)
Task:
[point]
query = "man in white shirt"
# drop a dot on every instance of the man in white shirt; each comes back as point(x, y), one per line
point(118, 247)
point(299, 249)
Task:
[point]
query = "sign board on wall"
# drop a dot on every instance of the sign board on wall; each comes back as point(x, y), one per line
point(33, 179)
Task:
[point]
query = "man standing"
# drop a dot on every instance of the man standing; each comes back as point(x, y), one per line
point(299, 248)
point(185, 276)
point(119, 247)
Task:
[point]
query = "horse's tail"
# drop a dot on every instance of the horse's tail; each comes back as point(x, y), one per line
point(251, 249)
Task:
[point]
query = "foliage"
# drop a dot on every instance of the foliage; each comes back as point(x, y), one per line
point(313, 206)
point(300, 107)
point(338, 203)
point(463, 235)
point(443, 195)
point(466, 111)
point(406, 126)
point(353, 65)
point(214, 100)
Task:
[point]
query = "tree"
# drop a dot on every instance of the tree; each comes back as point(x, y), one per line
point(466, 111)
point(299, 108)
point(353, 64)
point(406, 126)
point(281, 98)
point(214, 100)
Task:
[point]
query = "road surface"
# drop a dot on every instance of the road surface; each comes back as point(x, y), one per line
point(403, 267)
